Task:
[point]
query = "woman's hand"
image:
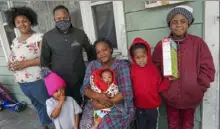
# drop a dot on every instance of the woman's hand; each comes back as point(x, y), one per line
point(117, 98)
point(10, 68)
point(96, 105)
point(19, 65)
point(104, 100)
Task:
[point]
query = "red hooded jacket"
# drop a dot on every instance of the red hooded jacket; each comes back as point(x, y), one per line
point(146, 81)
point(196, 70)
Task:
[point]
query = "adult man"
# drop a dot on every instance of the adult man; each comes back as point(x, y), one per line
point(62, 51)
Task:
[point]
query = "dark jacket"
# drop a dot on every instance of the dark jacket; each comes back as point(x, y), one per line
point(63, 54)
point(196, 69)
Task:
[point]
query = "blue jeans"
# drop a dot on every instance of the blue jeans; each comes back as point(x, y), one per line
point(37, 93)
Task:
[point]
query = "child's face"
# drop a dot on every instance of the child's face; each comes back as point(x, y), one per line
point(58, 93)
point(179, 25)
point(107, 77)
point(140, 57)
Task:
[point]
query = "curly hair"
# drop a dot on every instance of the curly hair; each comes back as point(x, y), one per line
point(106, 41)
point(12, 13)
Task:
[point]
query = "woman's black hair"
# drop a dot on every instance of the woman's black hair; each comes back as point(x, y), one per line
point(137, 46)
point(12, 13)
point(106, 41)
point(60, 7)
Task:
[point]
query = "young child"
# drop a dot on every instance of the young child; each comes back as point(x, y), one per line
point(195, 66)
point(147, 84)
point(63, 110)
point(103, 81)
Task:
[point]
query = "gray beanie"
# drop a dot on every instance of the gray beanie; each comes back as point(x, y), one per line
point(184, 10)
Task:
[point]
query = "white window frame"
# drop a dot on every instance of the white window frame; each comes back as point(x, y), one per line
point(89, 25)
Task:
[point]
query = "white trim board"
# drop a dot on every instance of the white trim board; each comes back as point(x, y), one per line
point(120, 27)
point(210, 106)
point(87, 20)
point(99, 3)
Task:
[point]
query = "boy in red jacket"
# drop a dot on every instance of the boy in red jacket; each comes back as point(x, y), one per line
point(147, 84)
point(195, 66)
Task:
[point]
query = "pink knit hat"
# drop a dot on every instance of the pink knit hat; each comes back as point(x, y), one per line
point(52, 81)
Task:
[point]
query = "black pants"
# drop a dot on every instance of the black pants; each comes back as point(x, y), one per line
point(147, 118)
point(74, 91)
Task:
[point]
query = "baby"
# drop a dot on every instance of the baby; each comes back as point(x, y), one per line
point(103, 81)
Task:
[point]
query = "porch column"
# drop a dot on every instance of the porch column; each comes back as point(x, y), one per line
point(210, 112)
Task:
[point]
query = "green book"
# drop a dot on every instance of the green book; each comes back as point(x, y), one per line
point(170, 60)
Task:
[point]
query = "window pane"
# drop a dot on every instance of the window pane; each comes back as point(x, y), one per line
point(10, 34)
point(105, 23)
point(3, 5)
point(75, 13)
point(3, 8)
point(20, 3)
point(44, 9)
point(2, 17)
point(46, 21)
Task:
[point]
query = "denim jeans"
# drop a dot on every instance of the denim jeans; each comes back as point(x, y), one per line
point(37, 93)
point(147, 118)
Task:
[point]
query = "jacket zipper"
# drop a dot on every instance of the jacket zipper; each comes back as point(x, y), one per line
point(178, 56)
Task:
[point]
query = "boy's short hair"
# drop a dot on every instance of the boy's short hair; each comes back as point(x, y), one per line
point(60, 7)
point(137, 46)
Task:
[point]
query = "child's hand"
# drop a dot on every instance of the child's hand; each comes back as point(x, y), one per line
point(169, 78)
point(62, 98)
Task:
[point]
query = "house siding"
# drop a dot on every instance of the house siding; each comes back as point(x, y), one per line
point(151, 25)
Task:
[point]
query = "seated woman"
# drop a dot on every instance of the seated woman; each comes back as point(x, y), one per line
point(122, 114)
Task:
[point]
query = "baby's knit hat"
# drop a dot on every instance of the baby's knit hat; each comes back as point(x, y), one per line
point(52, 81)
point(184, 10)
